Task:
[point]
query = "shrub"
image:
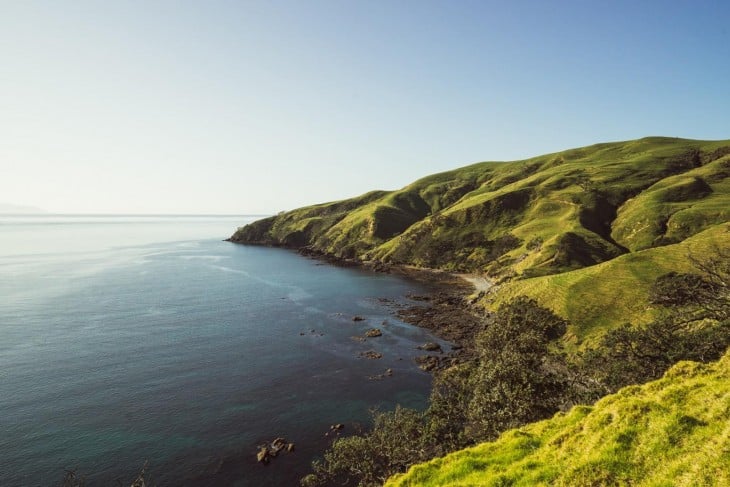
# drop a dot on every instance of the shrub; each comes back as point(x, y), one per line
point(634, 355)
point(515, 381)
point(534, 244)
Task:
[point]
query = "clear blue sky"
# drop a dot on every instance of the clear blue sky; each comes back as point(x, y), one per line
point(255, 107)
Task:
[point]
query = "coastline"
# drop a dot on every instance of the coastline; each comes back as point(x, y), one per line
point(446, 309)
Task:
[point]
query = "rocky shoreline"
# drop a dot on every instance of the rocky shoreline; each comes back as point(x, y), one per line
point(445, 309)
point(447, 312)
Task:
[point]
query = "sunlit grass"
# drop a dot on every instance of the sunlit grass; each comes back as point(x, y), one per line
point(674, 431)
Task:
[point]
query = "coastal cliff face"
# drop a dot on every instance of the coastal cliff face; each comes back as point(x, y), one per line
point(540, 216)
point(576, 230)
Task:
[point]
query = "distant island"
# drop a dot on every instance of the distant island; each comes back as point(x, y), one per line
point(604, 266)
point(11, 209)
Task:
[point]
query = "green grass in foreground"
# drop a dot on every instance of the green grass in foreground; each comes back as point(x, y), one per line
point(671, 432)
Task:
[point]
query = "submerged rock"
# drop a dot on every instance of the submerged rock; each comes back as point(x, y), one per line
point(387, 373)
point(430, 347)
point(335, 429)
point(375, 332)
point(370, 354)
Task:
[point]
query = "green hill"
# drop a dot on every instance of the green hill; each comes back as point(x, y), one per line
point(584, 231)
point(670, 432)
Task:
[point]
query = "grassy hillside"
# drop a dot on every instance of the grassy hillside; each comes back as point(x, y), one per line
point(584, 231)
point(674, 431)
point(539, 216)
point(596, 298)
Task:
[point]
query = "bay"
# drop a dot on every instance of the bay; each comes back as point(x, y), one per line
point(128, 339)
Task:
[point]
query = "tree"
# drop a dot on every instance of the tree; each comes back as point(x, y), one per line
point(447, 416)
point(516, 381)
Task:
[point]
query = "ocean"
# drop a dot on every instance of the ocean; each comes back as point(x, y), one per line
point(133, 340)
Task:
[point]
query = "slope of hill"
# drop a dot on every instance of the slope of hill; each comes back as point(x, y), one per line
point(674, 431)
point(636, 208)
point(596, 298)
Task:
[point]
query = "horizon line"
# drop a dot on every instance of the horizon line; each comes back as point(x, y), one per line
point(134, 214)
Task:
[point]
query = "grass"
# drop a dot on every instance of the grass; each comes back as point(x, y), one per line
point(670, 432)
point(675, 207)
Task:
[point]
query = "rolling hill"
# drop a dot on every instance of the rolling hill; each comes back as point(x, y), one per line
point(584, 231)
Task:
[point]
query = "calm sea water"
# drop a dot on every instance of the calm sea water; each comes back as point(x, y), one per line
point(126, 340)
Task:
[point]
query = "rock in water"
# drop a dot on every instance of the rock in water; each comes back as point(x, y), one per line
point(430, 347)
point(263, 456)
point(427, 362)
point(371, 354)
point(271, 450)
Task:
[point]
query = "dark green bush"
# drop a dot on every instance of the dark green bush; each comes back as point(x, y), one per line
point(515, 380)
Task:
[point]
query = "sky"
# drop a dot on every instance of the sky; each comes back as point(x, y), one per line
point(253, 107)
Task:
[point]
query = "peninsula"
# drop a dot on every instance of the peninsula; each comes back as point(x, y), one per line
point(605, 266)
